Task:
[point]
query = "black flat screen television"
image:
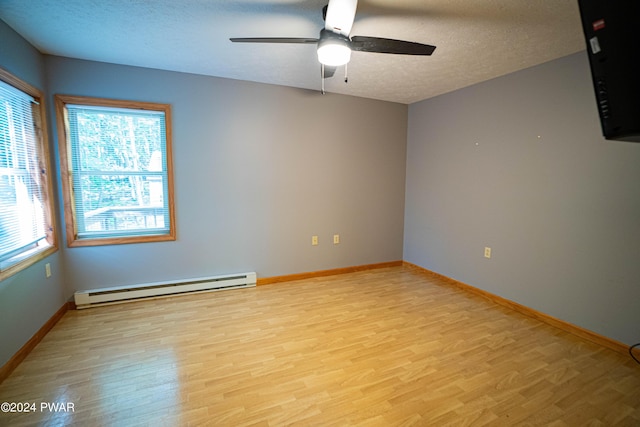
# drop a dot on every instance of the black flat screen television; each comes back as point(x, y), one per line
point(612, 33)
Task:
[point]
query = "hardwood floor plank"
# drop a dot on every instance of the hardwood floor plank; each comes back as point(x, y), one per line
point(390, 346)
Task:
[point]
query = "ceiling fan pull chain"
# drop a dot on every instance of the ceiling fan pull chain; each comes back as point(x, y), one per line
point(346, 77)
point(322, 76)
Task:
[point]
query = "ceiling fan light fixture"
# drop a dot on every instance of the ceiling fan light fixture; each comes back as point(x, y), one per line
point(334, 55)
point(333, 49)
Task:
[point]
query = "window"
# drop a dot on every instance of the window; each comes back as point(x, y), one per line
point(27, 230)
point(115, 162)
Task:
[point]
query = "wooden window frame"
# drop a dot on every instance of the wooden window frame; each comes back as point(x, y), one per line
point(66, 170)
point(33, 255)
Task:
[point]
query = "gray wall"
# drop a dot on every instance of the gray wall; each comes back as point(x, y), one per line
point(519, 164)
point(27, 299)
point(259, 169)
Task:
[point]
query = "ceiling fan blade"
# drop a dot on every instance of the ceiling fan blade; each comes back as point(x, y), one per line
point(340, 15)
point(302, 40)
point(380, 45)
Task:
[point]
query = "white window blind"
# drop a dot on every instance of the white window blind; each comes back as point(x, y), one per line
point(119, 171)
point(22, 219)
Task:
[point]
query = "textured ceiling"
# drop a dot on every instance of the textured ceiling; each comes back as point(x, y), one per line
point(476, 39)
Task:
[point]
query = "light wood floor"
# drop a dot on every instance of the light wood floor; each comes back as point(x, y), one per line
point(377, 348)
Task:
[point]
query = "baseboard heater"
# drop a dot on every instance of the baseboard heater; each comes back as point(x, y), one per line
point(119, 294)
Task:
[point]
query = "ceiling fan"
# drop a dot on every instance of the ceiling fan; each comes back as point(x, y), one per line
point(334, 45)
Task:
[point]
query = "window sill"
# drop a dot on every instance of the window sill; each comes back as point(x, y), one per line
point(13, 265)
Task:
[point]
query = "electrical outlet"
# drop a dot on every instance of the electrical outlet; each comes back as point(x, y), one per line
point(314, 240)
point(47, 270)
point(336, 239)
point(487, 252)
